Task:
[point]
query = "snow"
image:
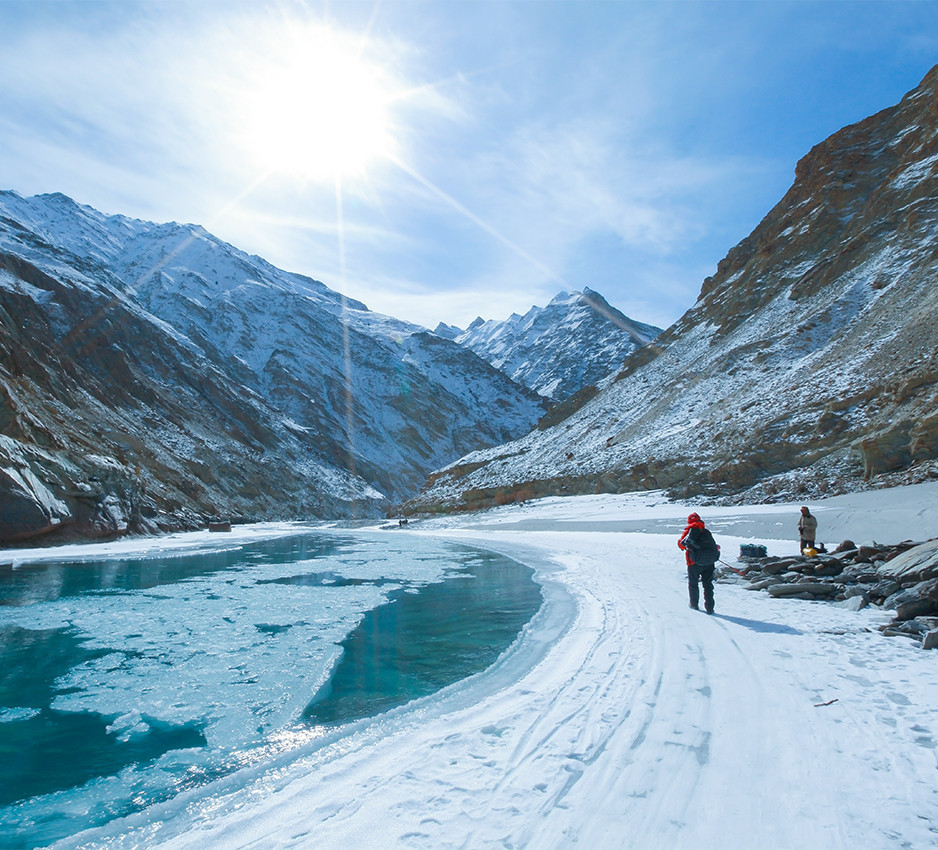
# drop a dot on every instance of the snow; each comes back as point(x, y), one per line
point(620, 718)
point(914, 173)
point(22, 476)
point(181, 542)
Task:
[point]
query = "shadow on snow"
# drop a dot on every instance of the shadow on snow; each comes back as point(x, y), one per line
point(760, 625)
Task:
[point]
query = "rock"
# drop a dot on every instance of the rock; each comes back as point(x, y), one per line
point(910, 629)
point(777, 567)
point(860, 573)
point(922, 599)
point(886, 450)
point(27, 507)
point(898, 549)
point(894, 578)
point(930, 641)
point(854, 603)
point(829, 568)
point(918, 563)
point(924, 442)
point(811, 589)
point(884, 589)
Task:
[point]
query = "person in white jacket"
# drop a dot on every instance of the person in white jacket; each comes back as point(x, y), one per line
point(807, 529)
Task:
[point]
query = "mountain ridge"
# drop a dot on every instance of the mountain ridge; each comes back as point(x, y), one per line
point(290, 400)
point(808, 364)
point(559, 349)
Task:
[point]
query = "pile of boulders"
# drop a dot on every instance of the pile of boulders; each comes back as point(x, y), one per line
point(902, 577)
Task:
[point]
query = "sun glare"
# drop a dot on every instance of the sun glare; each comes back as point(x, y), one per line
point(316, 111)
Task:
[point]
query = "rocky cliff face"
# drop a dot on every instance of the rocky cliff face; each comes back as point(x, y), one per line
point(110, 424)
point(557, 350)
point(808, 364)
point(152, 376)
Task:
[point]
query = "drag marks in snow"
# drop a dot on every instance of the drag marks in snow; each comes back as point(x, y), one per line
point(562, 725)
point(649, 767)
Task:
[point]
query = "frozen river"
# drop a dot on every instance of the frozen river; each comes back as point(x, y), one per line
point(617, 718)
point(128, 678)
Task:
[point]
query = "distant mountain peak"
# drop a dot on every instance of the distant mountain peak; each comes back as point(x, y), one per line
point(447, 331)
point(575, 341)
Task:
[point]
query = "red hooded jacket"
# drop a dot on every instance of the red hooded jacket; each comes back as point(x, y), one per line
point(693, 521)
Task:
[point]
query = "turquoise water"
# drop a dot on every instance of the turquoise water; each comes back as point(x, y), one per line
point(125, 681)
point(417, 644)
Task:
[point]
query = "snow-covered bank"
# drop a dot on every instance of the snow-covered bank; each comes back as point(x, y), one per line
point(183, 542)
point(891, 515)
point(624, 719)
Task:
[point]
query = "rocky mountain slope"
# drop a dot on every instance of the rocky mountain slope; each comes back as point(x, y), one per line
point(808, 364)
point(152, 376)
point(557, 350)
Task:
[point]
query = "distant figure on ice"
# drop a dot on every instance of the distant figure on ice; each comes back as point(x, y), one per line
point(702, 554)
point(807, 529)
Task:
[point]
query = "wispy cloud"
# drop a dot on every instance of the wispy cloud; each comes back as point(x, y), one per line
point(623, 146)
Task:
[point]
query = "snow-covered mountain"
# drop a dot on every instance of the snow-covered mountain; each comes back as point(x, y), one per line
point(152, 374)
point(808, 364)
point(575, 341)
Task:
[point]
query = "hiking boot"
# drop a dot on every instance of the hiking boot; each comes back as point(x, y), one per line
point(710, 610)
point(691, 605)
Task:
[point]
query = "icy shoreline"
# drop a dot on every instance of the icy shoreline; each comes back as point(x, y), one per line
point(621, 718)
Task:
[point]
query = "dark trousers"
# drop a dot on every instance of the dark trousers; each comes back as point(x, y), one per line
point(703, 574)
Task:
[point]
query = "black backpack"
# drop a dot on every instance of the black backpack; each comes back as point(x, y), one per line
point(706, 551)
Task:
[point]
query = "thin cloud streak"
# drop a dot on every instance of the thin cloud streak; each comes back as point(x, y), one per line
point(479, 222)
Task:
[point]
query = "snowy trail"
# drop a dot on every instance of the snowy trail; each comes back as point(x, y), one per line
point(685, 748)
point(642, 724)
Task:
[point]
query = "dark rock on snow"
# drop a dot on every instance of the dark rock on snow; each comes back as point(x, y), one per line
point(901, 578)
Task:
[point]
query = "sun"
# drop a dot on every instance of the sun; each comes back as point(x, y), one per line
point(316, 110)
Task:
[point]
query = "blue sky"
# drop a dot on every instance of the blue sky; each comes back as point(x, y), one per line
point(443, 160)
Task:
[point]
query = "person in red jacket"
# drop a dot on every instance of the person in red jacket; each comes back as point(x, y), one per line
point(702, 553)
